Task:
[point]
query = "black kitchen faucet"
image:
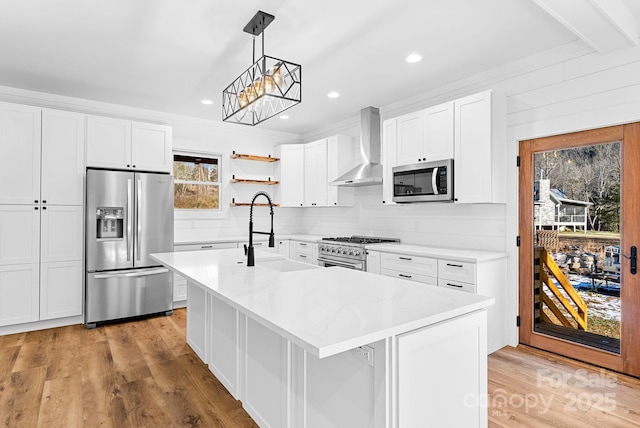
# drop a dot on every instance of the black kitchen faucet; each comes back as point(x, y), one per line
point(249, 251)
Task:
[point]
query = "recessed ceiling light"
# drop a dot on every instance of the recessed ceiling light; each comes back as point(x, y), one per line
point(207, 102)
point(414, 58)
point(284, 116)
point(333, 94)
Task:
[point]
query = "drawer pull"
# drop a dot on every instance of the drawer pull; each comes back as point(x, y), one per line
point(405, 258)
point(452, 265)
point(404, 276)
point(302, 255)
point(206, 246)
point(302, 244)
point(454, 285)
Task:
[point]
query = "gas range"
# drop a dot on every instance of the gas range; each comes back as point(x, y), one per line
point(347, 251)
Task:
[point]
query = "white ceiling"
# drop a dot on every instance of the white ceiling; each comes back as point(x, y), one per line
point(167, 55)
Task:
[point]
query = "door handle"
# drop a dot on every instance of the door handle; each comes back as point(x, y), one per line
point(129, 218)
point(633, 259)
point(138, 225)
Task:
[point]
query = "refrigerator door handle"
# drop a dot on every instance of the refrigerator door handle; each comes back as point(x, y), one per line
point(138, 225)
point(129, 217)
point(130, 274)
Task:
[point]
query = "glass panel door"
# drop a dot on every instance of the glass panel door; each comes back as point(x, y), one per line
point(579, 222)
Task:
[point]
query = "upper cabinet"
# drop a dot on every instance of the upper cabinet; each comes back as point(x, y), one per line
point(41, 156)
point(339, 161)
point(123, 144)
point(425, 135)
point(292, 175)
point(20, 137)
point(63, 135)
point(315, 174)
point(306, 171)
point(480, 145)
point(469, 130)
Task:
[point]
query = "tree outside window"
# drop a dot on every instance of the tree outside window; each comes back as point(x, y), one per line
point(196, 182)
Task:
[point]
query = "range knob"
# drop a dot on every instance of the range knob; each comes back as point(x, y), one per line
point(356, 253)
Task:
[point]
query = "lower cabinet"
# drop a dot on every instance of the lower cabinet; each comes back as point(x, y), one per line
point(424, 388)
point(41, 268)
point(302, 251)
point(405, 385)
point(19, 294)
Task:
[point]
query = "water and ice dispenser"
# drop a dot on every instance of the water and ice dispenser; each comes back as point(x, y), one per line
point(110, 223)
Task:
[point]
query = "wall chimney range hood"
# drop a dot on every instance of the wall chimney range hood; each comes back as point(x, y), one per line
point(369, 172)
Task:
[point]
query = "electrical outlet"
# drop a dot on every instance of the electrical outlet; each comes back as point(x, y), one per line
point(364, 353)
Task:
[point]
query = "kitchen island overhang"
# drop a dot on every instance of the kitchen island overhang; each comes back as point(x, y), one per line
point(324, 312)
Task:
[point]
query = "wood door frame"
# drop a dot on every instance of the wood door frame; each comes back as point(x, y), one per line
point(628, 361)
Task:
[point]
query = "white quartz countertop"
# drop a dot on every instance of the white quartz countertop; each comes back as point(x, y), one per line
point(323, 310)
point(463, 255)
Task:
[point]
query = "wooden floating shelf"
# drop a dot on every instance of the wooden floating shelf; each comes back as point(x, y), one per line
point(248, 204)
point(235, 155)
point(247, 181)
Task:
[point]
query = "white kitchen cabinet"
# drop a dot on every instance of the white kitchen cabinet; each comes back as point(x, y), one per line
point(224, 337)
point(421, 356)
point(61, 229)
point(412, 268)
point(19, 294)
point(63, 143)
point(305, 252)
point(438, 132)
point(389, 153)
point(19, 234)
point(480, 143)
point(373, 262)
point(315, 174)
point(484, 277)
point(20, 138)
point(410, 140)
point(123, 144)
point(292, 175)
point(266, 375)
point(108, 142)
point(283, 247)
point(339, 161)
point(61, 289)
point(151, 147)
point(197, 320)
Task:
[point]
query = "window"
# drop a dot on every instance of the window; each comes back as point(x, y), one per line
point(196, 182)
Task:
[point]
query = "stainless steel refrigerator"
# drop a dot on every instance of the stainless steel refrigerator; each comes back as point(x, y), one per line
point(129, 215)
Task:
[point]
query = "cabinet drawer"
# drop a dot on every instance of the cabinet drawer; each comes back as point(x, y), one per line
point(410, 264)
point(457, 285)
point(206, 246)
point(457, 271)
point(424, 279)
point(304, 248)
point(305, 258)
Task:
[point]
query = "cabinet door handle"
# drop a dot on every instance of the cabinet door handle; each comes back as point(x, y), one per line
point(302, 255)
point(454, 285)
point(302, 244)
point(404, 276)
point(206, 246)
point(405, 258)
point(452, 265)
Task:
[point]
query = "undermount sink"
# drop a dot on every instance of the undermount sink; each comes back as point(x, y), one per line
point(285, 265)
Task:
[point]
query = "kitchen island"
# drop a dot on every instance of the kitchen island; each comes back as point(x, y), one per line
point(304, 346)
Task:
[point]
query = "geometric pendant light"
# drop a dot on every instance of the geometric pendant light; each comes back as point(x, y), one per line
point(265, 89)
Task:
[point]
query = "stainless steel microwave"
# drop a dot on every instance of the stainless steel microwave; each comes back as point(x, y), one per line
point(423, 182)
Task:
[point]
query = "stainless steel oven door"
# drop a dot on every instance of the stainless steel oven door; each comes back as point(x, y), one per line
point(349, 264)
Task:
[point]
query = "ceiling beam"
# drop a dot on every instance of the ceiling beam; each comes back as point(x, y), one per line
point(605, 25)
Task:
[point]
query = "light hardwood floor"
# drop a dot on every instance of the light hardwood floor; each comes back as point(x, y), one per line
point(142, 373)
point(135, 374)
